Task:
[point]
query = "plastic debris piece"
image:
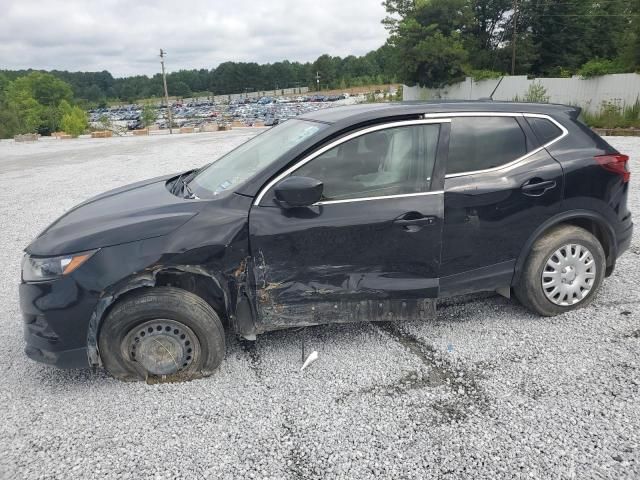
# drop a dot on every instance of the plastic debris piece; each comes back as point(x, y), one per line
point(313, 356)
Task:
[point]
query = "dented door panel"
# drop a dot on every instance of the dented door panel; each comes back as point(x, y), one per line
point(345, 262)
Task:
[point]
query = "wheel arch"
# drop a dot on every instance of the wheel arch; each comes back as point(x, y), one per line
point(209, 286)
point(594, 222)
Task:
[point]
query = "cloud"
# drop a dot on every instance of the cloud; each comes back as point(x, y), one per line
point(124, 37)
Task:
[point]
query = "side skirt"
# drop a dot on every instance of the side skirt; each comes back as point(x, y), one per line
point(278, 316)
point(494, 277)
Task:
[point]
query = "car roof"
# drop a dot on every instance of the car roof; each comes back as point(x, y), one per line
point(369, 111)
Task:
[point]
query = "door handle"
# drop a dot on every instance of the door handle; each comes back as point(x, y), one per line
point(537, 187)
point(414, 221)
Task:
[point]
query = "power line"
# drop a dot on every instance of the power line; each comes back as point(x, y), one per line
point(583, 15)
point(594, 3)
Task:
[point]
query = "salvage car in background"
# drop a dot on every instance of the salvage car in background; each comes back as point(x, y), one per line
point(369, 212)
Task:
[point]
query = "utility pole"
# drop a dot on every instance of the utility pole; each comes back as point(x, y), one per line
point(166, 92)
point(318, 81)
point(515, 36)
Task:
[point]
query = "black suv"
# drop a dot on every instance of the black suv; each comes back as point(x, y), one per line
point(368, 212)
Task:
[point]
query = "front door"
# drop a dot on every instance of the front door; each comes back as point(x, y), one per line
point(370, 249)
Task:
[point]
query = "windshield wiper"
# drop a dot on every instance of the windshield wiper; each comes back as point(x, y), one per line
point(187, 188)
point(182, 183)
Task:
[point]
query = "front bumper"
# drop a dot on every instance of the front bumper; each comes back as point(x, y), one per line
point(56, 317)
point(76, 358)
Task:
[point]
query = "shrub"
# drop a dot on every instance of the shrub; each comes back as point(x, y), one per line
point(105, 122)
point(74, 121)
point(149, 115)
point(612, 115)
point(480, 75)
point(598, 67)
point(399, 94)
point(536, 93)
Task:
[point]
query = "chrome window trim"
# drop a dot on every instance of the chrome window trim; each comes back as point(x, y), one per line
point(342, 140)
point(384, 197)
point(565, 132)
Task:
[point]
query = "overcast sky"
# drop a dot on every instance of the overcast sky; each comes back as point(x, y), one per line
point(124, 36)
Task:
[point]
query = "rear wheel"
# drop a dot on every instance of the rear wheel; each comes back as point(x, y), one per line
point(564, 270)
point(163, 333)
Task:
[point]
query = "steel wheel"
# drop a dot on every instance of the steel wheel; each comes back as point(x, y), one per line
point(161, 347)
point(569, 275)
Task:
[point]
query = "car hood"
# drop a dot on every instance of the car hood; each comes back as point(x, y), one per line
point(134, 212)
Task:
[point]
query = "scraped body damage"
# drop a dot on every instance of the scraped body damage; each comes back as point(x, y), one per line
point(283, 299)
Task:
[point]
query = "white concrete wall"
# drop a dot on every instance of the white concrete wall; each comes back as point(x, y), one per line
point(290, 92)
point(623, 89)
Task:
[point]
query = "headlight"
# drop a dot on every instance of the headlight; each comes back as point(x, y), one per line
point(38, 268)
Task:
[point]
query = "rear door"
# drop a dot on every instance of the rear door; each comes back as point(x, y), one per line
point(370, 249)
point(501, 184)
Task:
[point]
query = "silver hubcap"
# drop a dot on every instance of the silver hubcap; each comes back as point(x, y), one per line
point(569, 275)
point(161, 347)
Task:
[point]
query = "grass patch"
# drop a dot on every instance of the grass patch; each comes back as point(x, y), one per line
point(613, 115)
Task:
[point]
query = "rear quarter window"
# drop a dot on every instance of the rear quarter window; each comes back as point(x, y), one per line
point(480, 143)
point(545, 130)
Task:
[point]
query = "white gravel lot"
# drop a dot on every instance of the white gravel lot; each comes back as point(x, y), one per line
point(487, 390)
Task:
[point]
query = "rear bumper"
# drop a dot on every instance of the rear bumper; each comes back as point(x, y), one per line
point(624, 240)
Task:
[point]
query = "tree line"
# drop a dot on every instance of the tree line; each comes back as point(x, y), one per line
point(438, 42)
point(231, 77)
point(431, 43)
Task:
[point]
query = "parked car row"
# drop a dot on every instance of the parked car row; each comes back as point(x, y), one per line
point(250, 110)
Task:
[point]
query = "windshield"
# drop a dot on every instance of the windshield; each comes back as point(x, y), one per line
point(240, 164)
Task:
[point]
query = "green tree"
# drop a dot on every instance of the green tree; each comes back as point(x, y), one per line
point(326, 66)
point(45, 88)
point(74, 120)
point(179, 89)
point(567, 34)
point(428, 40)
point(25, 110)
point(629, 56)
point(149, 115)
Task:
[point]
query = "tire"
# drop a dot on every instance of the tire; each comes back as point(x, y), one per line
point(530, 291)
point(176, 335)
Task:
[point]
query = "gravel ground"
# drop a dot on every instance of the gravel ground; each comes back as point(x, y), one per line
point(487, 390)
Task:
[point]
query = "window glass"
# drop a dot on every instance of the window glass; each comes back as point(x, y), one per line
point(394, 161)
point(545, 130)
point(251, 157)
point(478, 143)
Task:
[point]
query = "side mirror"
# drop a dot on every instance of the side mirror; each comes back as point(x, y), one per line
point(298, 191)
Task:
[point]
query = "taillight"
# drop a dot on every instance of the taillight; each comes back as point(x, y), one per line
point(616, 164)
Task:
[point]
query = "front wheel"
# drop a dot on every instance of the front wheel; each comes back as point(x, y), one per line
point(164, 333)
point(564, 270)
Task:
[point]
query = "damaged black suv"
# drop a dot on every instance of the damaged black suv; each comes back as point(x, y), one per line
point(368, 212)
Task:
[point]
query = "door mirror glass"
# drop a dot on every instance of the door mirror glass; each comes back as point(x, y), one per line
point(298, 191)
